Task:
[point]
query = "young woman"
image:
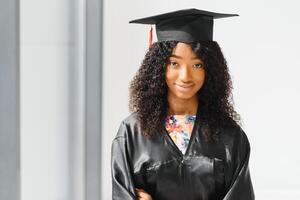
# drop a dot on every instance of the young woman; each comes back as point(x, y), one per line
point(183, 139)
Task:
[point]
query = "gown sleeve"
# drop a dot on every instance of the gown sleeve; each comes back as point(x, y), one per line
point(122, 182)
point(241, 186)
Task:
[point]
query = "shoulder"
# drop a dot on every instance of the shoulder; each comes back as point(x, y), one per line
point(236, 145)
point(235, 136)
point(130, 119)
point(128, 125)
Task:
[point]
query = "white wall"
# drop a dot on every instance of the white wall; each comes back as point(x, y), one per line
point(261, 47)
point(52, 81)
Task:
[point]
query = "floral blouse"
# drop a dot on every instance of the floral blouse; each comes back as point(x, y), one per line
point(180, 128)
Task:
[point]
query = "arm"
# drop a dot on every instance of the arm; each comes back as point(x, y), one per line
point(122, 183)
point(241, 186)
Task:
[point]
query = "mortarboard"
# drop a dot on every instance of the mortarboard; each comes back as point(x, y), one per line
point(189, 25)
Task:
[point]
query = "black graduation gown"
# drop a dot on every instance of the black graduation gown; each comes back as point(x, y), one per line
point(206, 172)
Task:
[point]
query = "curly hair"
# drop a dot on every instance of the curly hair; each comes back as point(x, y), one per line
point(148, 90)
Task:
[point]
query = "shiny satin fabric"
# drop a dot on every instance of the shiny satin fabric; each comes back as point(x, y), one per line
point(205, 172)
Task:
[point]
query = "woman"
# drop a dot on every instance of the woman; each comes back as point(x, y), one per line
point(183, 139)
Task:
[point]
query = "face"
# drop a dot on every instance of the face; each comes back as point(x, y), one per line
point(185, 73)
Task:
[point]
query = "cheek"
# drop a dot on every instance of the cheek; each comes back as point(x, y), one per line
point(170, 77)
point(200, 78)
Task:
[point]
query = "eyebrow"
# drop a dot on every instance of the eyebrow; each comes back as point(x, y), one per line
point(179, 57)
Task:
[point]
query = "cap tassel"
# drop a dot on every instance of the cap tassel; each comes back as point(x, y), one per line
point(150, 37)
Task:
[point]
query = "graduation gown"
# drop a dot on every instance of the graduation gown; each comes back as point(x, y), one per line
point(207, 171)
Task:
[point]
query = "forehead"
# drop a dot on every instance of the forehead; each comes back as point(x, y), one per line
point(184, 50)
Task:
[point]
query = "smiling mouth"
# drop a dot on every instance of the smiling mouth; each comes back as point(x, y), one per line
point(184, 86)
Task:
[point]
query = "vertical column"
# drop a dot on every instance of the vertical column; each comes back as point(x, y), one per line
point(9, 101)
point(76, 99)
point(93, 98)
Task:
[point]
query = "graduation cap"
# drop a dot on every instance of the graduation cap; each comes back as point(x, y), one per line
point(189, 25)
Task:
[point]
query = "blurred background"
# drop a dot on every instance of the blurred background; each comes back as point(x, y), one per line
point(65, 68)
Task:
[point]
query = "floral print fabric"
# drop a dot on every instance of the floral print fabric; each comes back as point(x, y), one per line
point(180, 128)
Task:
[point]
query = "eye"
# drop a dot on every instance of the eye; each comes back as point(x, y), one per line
point(198, 65)
point(173, 64)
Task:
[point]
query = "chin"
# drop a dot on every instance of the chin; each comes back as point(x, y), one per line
point(185, 96)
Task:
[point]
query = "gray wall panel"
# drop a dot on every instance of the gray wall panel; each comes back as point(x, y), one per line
point(9, 101)
point(93, 98)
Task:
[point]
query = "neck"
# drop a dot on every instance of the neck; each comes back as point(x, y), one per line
point(182, 106)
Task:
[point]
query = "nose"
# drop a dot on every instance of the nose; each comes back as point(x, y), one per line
point(184, 74)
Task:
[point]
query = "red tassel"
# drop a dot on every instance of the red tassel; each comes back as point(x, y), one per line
point(150, 37)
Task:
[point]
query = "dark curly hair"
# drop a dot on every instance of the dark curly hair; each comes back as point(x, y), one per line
point(148, 90)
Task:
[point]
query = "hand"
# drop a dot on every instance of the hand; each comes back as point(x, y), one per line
point(142, 194)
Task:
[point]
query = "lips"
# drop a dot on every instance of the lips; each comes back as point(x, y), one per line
point(184, 88)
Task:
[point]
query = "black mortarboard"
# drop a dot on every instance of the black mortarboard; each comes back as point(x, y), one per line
point(188, 25)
